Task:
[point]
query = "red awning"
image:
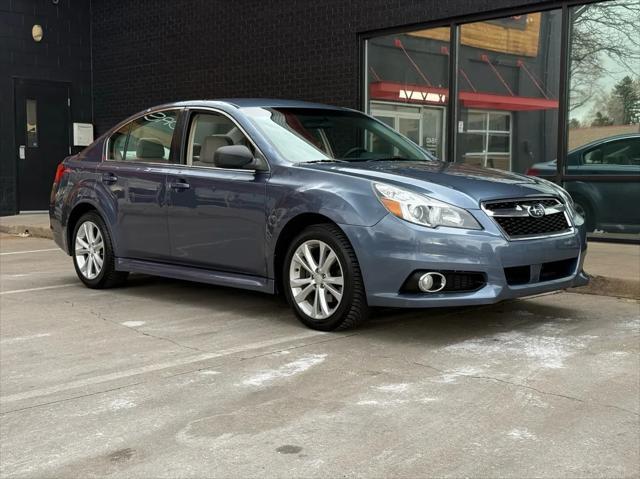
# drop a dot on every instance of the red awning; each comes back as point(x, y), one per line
point(407, 93)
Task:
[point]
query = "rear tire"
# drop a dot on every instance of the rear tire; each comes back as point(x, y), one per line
point(92, 253)
point(322, 280)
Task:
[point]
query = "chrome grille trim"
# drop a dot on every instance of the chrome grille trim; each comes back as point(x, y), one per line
point(517, 208)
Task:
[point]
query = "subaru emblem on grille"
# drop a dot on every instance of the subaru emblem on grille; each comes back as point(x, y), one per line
point(536, 211)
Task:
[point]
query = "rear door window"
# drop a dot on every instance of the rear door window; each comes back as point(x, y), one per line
point(145, 139)
point(150, 137)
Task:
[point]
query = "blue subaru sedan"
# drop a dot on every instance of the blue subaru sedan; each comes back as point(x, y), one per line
point(325, 205)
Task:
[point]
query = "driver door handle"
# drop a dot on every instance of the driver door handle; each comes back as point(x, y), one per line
point(109, 178)
point(180, 185)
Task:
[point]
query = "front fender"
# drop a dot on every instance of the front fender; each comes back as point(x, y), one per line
point(350, 201)
point(343, 200)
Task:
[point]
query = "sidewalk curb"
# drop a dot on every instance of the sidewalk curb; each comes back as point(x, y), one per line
point(606, 286)
point(34, 231)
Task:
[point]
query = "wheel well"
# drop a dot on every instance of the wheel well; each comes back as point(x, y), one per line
point(75, 215)
point(290, 230)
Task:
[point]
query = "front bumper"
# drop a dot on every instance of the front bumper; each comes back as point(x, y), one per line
point(390, 251)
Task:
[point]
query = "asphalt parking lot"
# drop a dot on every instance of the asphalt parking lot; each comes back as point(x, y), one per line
point(165, 378)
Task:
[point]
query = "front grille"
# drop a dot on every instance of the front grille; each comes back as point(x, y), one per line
point(528, 226)
point(517, 275)
point(557, 269)
point(460, 281)
point(514, 219)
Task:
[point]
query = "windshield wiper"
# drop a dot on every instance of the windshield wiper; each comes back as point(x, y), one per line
point(335, 160)
point(393, 158)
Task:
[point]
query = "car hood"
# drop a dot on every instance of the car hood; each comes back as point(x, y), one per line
point(459, 184)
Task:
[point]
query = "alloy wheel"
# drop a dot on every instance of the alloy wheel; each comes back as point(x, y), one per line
point(316, 279)
point(89, 250)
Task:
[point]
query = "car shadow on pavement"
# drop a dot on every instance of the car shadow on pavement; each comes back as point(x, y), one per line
point(442, 326)
point(432, 326)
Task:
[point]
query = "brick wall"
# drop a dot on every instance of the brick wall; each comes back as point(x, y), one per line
point(64, 54)
point(153, 51)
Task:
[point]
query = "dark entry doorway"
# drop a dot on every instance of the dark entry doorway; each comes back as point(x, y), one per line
point(42, 138)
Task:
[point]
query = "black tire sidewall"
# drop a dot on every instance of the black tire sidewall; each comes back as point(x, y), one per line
point(589, 220)
point(335, 320)
point(107, 265)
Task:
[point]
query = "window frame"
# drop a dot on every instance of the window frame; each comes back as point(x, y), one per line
point(486, 134)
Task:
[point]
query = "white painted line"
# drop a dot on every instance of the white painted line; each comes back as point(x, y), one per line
point(24, 338)
point(42, 288)
point(32, 251)
point(80, 383)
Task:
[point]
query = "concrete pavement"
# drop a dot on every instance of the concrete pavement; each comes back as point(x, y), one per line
point(164, 378)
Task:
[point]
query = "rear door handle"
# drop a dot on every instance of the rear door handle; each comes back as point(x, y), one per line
point(180, 185)
point(109, 178)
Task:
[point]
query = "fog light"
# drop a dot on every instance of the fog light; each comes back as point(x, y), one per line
point(432, 282)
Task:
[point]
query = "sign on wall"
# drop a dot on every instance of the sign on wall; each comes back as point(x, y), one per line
point(82, 134)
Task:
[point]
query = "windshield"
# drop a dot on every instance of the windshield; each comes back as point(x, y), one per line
point(304, 135)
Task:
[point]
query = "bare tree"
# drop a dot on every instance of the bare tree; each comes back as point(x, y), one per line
point(600, 30)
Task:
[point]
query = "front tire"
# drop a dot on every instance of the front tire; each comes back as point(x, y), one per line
point(322, 280)
point(92, 252)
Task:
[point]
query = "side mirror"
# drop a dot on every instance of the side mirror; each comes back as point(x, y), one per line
point(232, 156)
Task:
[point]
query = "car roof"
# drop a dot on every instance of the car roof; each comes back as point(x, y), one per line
point(256, 102)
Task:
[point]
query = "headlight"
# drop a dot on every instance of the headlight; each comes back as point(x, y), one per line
point(422, 210)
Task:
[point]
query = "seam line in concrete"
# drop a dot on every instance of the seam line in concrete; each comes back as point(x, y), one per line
point(524, 386)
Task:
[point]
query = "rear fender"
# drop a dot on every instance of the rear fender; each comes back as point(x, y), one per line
point(87, 194)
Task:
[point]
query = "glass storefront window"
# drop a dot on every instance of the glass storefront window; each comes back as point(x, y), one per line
point(604, 113)
point(508, 99)
point(508, 83)
point(604, 84)
point(408, 84)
